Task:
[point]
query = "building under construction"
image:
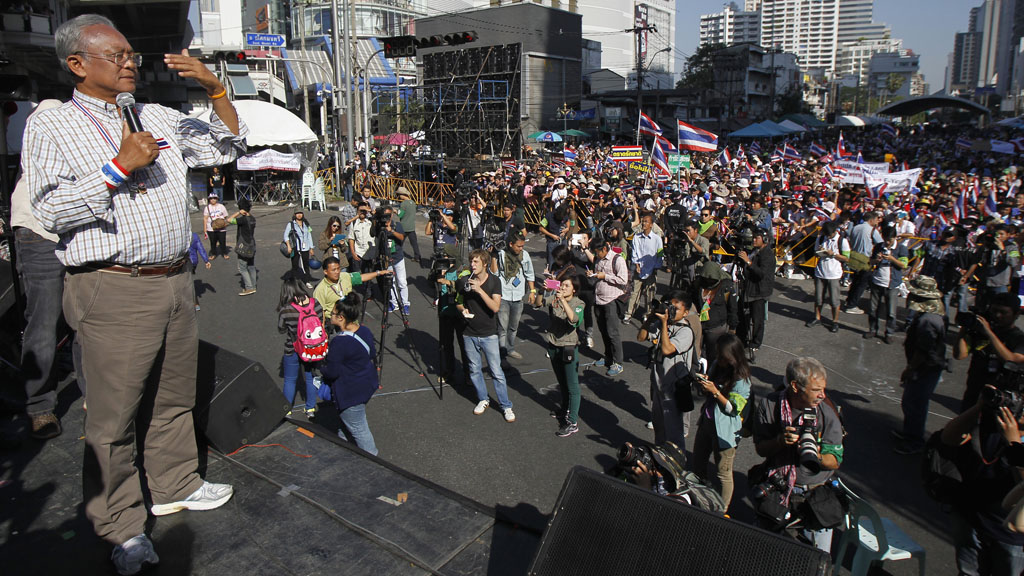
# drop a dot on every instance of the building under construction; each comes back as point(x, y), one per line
point(479, 100)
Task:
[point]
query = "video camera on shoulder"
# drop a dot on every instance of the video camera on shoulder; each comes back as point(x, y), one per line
point(1008, 391)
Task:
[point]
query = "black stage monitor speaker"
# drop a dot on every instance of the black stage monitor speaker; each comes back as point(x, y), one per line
point(602, 525)
point(237, 402)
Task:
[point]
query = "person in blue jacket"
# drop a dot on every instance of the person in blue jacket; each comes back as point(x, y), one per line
point(350, 370)
point(197, 252)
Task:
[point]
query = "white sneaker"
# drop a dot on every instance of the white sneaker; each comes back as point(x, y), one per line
point(510, 416)
point(207, 497)
point(481, 406)
point(129, 557)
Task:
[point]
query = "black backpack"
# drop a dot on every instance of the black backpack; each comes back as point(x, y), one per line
point(940, 475)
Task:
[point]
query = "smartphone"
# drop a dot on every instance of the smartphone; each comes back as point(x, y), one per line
point(552, 284)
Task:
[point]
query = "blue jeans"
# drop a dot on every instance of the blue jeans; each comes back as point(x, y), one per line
point(42, 279)
point(247, 270)
point(292, 366)
point(488, 346)
point(978, 554)
point(917, 392)
point(509, 314)
point(354, 419)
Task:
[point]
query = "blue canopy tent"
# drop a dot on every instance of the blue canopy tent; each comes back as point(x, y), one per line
point(782, 130)
point(754, 131)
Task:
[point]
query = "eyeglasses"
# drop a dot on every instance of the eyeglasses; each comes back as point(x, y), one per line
point(118, 58)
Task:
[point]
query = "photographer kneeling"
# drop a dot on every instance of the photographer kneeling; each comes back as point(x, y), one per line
point(799, 433)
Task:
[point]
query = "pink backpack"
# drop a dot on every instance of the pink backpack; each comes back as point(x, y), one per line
point(310, 336)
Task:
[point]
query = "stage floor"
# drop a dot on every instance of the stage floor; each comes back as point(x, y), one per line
point(305, 503)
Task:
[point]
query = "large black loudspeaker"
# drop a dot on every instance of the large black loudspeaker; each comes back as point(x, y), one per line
point(602, 525)
point(237, 402)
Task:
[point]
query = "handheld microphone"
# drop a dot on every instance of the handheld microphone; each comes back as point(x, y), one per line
point(126, 102)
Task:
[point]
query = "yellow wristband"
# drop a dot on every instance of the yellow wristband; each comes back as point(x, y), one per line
point(223, 92)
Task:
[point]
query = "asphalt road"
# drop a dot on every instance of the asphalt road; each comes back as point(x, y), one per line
point(521, 466)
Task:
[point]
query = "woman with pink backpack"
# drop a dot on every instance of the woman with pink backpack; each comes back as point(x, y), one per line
point(298, 318)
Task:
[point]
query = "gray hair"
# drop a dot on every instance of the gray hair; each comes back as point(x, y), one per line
point(68, 37)
point(803, 370)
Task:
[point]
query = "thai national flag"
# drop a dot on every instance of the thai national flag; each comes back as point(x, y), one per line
point(839, 170)
point(890, 130)
point(509, 164)
point(877, 191)
point(991, 203)
point(724, 158)
point(559, 163)
point(941, 222)
point(827, 159)
point(830, 172)
point(740, 154)
point(755, 148)
point(776, 156)
point(790, 153)
point(749, 168)
point(964, 143)
point(817, 150)
point(959, 207)
point(569, 153)
point(666, 144)
point(860, 158)
point(693, 138)
point(841, 147)
point(658, 157)
point(974, 192)
point(649, 126)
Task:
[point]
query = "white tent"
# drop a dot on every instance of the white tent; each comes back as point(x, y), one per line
point(792, 126)
point(269, 124)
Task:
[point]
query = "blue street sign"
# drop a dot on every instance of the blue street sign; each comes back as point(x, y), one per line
point(264, 40)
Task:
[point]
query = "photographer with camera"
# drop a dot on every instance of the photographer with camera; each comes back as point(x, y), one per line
point(757, 263)
point(995, 344)
point(442, 229)
point(514, 268)
point(696, 250)
point(389, 237)
point(986, 439)
point(671, 358)
point(1000, 256)
point(800, 434)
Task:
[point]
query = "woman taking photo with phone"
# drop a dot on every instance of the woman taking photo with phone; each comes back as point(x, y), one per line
point(726, 389)
point(565, 310)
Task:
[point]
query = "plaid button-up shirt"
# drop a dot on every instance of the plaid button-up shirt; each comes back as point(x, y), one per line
point(64, 151)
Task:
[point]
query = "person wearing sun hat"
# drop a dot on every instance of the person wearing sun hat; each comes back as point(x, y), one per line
point(925, 349)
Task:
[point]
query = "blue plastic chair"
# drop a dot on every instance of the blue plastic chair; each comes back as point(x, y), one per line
point(877, 539)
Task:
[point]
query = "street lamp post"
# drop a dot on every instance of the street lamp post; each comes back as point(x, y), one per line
point(566, 114)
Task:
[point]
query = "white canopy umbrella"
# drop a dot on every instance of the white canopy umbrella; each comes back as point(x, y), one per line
point(269, 124)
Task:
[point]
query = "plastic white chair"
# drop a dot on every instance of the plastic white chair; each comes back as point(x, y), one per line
point(877, 539)
point(317, 195)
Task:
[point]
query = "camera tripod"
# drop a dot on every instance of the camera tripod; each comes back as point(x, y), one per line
point(389, 294)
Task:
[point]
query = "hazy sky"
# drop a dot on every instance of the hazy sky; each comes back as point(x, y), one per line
point(925, 26)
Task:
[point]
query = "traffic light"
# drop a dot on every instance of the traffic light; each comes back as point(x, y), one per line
point(230, 56)
point(451, 39)
point(429, 42)
point(399, 46)
point(459, 38)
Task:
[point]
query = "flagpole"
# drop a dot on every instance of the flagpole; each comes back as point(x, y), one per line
point(638, 113)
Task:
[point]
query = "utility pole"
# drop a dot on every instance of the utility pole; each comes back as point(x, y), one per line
point(335, 34)
point(641, 50)
point(343, 59)
point(305, 79)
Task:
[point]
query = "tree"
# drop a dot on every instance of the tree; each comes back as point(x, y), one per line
point(699, 72)
point(893, 83)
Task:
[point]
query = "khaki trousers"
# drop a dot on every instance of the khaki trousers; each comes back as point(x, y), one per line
point(139, 341)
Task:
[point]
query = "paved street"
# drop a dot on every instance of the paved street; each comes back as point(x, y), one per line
point(521, 466)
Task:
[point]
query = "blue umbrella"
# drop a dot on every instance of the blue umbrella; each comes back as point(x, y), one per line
point(548, 137)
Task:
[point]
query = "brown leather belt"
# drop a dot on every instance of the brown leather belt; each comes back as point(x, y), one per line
point(136, 270)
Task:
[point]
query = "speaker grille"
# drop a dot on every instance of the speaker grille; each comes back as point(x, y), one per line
point(604, 526)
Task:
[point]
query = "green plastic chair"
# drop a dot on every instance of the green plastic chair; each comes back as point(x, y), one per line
point(877, 539)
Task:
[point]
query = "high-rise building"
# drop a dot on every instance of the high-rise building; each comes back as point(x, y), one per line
point(730, 26)
point(891, 74)
point(853, 58)
point(964, 72)
point(814, 30)
point(984, 56)
point(604, 22)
